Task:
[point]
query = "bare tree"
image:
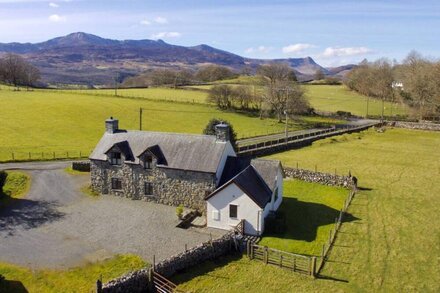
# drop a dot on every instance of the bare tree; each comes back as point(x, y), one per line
point(221, 95)
point(319, 75)
point(17, 71)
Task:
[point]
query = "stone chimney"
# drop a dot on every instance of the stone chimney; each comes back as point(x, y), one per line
point(222, 132)
point(111, 125)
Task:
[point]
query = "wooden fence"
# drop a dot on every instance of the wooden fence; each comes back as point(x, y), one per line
point(332, 236)
point(162, 284)
point(296, 262)
point(44, 155)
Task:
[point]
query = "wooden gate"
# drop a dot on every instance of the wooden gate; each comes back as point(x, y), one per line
point(162, 284)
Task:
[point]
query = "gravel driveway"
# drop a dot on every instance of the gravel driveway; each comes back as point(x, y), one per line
point(56, 226)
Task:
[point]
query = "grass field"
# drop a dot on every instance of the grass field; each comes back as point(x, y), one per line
point(15, 186)
point(311, 210)
point(83, 279)
point(394, 246)
point(47, 121)
point(332, 98)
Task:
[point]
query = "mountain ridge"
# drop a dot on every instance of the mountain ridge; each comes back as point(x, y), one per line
point(84, 58)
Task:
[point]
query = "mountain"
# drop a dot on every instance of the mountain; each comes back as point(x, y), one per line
point(81, 58)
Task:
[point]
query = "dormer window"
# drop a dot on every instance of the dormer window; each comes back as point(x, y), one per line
point(148, 163)
point(115, 158)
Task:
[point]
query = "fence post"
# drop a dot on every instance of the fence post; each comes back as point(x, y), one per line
point(13, 158)
point(42, 155)
point(29, 155)
point(281, 261)
point(67, 153)
point(54, 155)
point(313, 268)
point(266, 256)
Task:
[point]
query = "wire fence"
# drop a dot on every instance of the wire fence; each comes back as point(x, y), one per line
point(44, 155)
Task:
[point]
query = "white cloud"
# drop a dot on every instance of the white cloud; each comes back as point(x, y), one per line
point(345, 51)
point(163, 35)
point(297, 48)
point(161, 20)
point(57, 18)
point(53, 5)
point(259, 49)
point(145, 22)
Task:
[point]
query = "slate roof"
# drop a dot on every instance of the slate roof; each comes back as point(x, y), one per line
point(180, 151)
point(252, 184)
point(267, 169)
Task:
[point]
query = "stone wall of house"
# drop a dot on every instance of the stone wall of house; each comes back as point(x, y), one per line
point(321, 178)
point(415, 125)
point(139, 281)
point(170, 186)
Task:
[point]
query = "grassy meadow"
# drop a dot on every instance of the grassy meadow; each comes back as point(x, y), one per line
point(43, 122)
point(332, 98)
point(82, 279)
point(310, 210)
point(393, 246)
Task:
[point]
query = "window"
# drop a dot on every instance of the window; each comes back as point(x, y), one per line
point(148, 188)
point(116, 183)
point(276, 194)
point(233, 211)
point(148, 164)
point(115, 158)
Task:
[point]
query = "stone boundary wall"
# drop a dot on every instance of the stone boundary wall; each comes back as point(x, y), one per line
point(415, 125)
point(82, 166)
point(348, 182)
point(139, 281)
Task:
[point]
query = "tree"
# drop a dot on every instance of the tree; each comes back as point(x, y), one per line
point(319, 75)
point(221, 95)
point(16, 71)
point(211, 73)
point(282, 91)
point(243, 96)
point(210, 130)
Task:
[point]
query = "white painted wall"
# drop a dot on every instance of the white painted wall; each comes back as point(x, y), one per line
point(228, 151)
point(247, 210)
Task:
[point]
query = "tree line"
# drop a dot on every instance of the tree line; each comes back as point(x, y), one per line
point(181, 77)
point(276, 92)
point(414, 82)
point(16, 71)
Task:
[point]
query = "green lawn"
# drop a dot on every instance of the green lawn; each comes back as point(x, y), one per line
point(332, 98)
point(394, 246)
point(310, 210)
point(81, 279)
point(43, 122)
point(163, 94)
point(15, 186)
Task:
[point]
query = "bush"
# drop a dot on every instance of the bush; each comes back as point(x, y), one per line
point(343, 114)
point(210, 130)
point(179, 211)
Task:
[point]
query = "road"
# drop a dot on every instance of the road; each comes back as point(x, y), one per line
point(276, 136)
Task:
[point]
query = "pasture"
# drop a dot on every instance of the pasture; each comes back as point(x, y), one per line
point(394, 244)
point(51, 123)
point(332, 98)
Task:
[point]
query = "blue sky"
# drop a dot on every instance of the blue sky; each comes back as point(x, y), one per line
point(332, 32)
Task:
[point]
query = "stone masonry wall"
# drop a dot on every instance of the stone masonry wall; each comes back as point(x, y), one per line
point(321, 178)
point(83, 166)
point(138, 281)
point(415, 125)
point(170, 186)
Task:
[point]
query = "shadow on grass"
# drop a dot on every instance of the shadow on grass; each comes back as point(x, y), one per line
point(364, 188)
point(24, 214)
point(205, 269)
point(12, 286)
point(304, 218)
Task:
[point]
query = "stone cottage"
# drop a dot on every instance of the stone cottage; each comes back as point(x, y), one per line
point(171, 168)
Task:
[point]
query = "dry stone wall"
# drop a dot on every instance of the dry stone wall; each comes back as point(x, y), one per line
point(321, 178)
point(416, 125)
point(83, 166)
point(140, 281)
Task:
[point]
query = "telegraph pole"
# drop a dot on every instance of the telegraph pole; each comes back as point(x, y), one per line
point(140, 118)
point(116, 84)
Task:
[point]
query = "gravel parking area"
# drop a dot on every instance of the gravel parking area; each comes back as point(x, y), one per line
point(56, 226)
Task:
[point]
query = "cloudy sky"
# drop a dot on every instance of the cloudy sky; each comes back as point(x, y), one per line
point(333, 32)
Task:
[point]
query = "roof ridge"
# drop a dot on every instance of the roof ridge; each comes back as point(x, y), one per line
point(172, 133)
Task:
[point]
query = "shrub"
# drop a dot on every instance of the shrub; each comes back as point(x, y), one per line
point(210, 130)
point(179, 211)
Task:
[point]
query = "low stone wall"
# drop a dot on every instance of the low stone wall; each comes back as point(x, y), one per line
point(83, 166)
point(321, 178)
point(138, 281)
point(415, 125)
